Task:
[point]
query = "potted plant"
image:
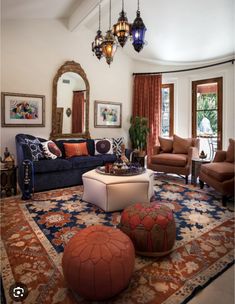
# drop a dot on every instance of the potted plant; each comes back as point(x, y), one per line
point(138, 134)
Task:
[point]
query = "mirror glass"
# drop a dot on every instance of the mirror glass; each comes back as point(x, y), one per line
point(70, 105)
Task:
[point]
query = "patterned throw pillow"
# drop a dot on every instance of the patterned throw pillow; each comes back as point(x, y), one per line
point(50, 149)
point(117, 142)
point(76, 149)
point(35, 147)
point(103, 146)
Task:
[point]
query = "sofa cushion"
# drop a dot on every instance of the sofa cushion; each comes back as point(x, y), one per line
point(220, 171)
point(230, 152)
point(166, 144)
point(75, 149)
point(170, 159)
point(117, 145)
point(52, 165)
point(86, 162)
point(36, 149)
point(181, 145)
point(90, 144)
point(50, 149)
point(103, 146)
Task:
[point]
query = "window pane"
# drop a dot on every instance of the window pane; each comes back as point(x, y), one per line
point(207, 96)
point(165, 112)
point(207, 123)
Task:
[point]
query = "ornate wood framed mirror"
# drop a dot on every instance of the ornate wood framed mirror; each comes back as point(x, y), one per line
point(70, 102)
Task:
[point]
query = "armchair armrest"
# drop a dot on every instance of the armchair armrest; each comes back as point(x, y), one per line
point(156, 150)
point(220, 156)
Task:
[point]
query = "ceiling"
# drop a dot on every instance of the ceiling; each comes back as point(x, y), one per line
point(178, 32)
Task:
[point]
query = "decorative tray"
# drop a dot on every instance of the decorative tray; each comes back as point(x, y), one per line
point(121, 172)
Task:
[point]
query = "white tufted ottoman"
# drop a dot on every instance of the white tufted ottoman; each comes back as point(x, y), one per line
point(113, 193)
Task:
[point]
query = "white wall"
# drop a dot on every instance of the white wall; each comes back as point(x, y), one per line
point(183, 94)
point(32, 52)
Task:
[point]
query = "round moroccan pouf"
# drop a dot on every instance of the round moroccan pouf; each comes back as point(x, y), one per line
point(98, 262)
point(151, 227)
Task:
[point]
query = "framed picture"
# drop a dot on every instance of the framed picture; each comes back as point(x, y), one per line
point(23, 110)
point(108, 114)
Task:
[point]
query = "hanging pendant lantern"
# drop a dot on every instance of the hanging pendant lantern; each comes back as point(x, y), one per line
point(109, 44)
point(97, 43)
point(122, 28)
point(138, 30)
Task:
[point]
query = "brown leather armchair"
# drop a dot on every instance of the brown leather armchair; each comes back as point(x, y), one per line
point(220, 173)
point(174, 155)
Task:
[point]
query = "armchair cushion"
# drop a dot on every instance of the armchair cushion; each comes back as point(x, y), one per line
point(170, 159)
point(220, 171)
point(230, 151)
point(181, 145)
point(166, 144)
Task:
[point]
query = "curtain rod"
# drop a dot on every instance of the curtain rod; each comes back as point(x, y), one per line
point(185, 70)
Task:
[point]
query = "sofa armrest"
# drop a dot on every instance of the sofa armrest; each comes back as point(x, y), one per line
point(128, 153)
point(220, 156)
point(156, 150)
point(192, 153)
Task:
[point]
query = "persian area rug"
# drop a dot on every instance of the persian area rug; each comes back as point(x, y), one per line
point(35, 232)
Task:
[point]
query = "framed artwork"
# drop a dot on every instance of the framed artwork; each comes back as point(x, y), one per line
point(23, 110)
point(108, 114)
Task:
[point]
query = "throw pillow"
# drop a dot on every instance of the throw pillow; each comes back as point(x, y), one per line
point(117, 145)
point(103, 146)
point(50, 149)
point(166, 144)
point(35, 147)
point(181, 145)
point(76, 149)
point(230, 152)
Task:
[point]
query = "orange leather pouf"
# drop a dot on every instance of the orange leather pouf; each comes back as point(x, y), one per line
point(151, 227)
point(98, 262)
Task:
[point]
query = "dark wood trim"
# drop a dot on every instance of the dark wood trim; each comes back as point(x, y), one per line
point(171, 89)
point(219, 81)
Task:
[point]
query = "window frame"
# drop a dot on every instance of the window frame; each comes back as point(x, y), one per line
point(219, 81)
point(171, 92)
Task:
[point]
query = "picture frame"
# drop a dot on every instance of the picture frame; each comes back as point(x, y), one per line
point(22, 110)
point(108, 114)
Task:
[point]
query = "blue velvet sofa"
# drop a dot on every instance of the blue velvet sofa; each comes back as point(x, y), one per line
point(60, 172)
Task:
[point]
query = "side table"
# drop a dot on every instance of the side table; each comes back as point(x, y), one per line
point(8, 181)
point(142, 160)
point(196, 165)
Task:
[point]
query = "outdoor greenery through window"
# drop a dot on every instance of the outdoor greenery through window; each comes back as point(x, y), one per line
point(167, 110)
point(207, 113)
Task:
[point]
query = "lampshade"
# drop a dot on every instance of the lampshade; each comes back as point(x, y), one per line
point(138, 30)
point(109, 46)
point(97, 45)
point(122, 28)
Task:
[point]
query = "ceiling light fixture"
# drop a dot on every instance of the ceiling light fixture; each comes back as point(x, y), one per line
point(106, 46)
point(138, 30)
point(109, 45)
point(122, 28)
point(97, 43)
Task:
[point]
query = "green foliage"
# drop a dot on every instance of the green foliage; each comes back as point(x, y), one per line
point(139, 132)
point(207, 106)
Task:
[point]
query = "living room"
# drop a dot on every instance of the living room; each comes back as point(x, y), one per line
point(38, 38)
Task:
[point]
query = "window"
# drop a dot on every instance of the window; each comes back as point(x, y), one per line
point(167, 122)
point(207, 114)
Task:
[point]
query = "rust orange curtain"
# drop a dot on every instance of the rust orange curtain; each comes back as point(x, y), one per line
point(147, 103)
point(78, 112)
